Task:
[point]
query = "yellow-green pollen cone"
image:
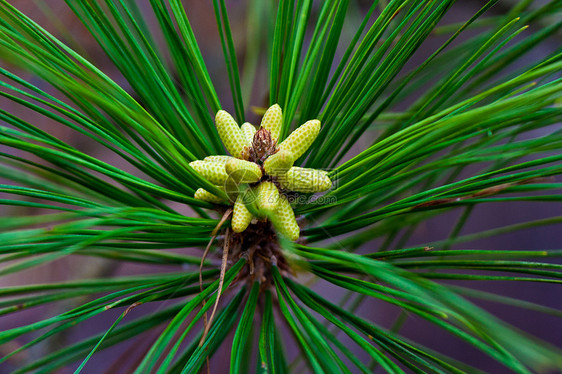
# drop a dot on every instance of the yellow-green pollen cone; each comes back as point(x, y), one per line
point(205, 195)
point(242, 171)
point(249, 131)
point(267, 198)
point(279, 163)
point(305, 180)
point(259, 175)
point(241, 216)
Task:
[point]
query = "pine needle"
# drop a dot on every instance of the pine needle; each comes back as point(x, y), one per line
point(207, 323)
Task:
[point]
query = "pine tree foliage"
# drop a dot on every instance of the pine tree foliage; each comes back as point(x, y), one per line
point(475, 123)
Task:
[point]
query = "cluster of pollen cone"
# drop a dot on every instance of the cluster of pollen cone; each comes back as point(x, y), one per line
point(259, 175)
